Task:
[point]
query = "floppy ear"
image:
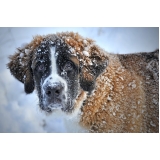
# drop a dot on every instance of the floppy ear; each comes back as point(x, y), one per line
point(21, 62)
point(20, 68)
point(89, 73)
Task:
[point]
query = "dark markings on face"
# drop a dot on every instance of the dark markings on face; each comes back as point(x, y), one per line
point(65, 77)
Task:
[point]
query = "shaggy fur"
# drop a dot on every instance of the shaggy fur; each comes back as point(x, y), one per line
point(118, 93)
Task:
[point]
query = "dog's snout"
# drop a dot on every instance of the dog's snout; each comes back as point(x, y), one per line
point(54, 90)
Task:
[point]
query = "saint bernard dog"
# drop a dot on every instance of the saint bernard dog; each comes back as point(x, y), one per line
point(109, 92)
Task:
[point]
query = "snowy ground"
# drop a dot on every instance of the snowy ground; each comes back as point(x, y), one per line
point(19, 112)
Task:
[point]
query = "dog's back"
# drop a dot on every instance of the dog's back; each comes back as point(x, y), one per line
point(126, 96)
point(146, 65)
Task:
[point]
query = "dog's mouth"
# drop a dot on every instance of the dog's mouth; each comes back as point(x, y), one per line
point(50, 106)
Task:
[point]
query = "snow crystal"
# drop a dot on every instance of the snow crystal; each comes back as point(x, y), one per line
point(42, 61)
point(109, 98)
point(51, 42)
point(21, 63)
point(152, 124)
point(56, 54)
point(143, 111)
point(27, 51)
point(90, 63)
point(86, 53)
point(64, 72)
point(155, 101)
point(21, 55)
point(86, 48)
point(72, 50)
point(132, 84)
point(43, 46)
point(84, 41)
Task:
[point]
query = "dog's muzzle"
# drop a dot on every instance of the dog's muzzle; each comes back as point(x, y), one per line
point(54, 95)
point(54, 91)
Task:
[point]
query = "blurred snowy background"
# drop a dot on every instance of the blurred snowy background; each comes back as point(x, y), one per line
point(20, 112)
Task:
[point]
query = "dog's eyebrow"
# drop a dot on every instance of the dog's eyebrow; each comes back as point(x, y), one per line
point(74, 60)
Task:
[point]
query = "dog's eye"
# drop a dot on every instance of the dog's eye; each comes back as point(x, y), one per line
point(41, 67)
point(68, 66)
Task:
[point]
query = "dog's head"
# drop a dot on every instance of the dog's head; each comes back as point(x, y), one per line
point(60, 66)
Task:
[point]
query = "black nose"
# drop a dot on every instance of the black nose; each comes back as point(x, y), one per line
point(54, 90)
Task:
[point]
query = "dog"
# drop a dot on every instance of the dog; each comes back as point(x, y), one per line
point(108, 92)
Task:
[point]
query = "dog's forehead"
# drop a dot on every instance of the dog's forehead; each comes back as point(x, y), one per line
point(72, 45)
point(61, 48)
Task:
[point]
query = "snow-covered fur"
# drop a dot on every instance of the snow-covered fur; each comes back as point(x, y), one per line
point(109, 92)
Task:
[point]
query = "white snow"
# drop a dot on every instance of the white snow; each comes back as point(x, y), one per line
point(63, 72)
point(85, 41)
point(54, 77)
point(72, 50)
point(51, 42)
point(152, 124)
point(27, 51)
point(132, 84)
point(20, 112)
point(155, 101)
point(109, 98)
point(56, 54)
point(86, 53)
point(21, 55)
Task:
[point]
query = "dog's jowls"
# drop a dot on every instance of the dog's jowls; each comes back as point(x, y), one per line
point(108, 92)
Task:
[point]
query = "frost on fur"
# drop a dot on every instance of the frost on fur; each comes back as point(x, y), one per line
point(112, 92)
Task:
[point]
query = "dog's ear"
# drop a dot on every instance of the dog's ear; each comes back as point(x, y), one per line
point(88, 73)
point(21, 62)
point(20, 67)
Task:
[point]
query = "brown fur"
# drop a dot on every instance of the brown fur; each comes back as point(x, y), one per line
point(124, 89)
point(75, 60)
point(20, 66)
point(116, 105)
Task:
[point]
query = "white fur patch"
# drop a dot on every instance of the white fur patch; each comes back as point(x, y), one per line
point(54, 77)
